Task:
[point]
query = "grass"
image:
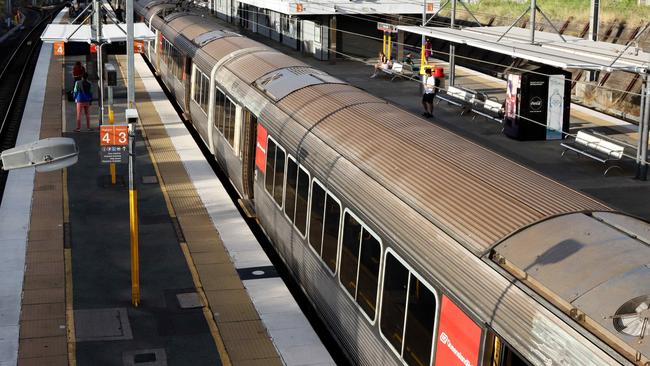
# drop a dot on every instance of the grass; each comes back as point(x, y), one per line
point(559, 10)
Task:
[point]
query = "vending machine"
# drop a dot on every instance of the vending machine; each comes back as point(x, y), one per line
point(538, 104)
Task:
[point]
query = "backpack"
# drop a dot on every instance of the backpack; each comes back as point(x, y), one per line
point(83, 91)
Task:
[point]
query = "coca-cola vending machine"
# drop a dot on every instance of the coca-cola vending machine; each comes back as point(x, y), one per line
point(538, 104)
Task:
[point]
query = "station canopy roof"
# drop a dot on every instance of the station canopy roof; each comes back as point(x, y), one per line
point(549, 48)
point(82, 33)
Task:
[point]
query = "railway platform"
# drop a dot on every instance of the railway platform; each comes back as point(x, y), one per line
point(210, 294)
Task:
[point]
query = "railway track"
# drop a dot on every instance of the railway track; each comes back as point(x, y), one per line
point(16, 77)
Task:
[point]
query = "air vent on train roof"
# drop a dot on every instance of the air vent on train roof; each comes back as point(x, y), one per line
point(151, 4)
point(280, 83)
point(633, 317)
point(206, 37)
point(173, 16)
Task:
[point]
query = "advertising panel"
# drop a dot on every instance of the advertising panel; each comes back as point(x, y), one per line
point(260, 148)
point(555, 115)
point(459, 338)
point(514, 83)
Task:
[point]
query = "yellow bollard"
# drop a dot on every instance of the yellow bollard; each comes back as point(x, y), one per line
point(383, 47)
point(423, 61)
point(135, 261)
point(389, 47)
point(111, 120)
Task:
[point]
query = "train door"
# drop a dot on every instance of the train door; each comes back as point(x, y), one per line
point(499, 353)
point(247, 152)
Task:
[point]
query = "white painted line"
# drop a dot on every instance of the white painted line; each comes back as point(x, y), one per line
point(292, 335)
point(15, 214)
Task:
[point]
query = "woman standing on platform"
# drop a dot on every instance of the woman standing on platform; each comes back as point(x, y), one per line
point(82, 96)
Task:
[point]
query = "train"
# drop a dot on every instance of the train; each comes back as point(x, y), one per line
point(414, 245)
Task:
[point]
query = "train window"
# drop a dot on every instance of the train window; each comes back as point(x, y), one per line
point(225, 112)
point(368, 273)
point(278, 183)
point(499, 353)
point(325, 217)
point(201, 89)
point(196, 90)
point(408, 313)
point(270, 163)
point(420, 318)
point(350, 253)
point(230, 112)
point(359, 269)
point(274, 179)
point(219, 100)
point(393, 303)
point(301, 201)
point(290, 193)
point(331, 232)
point(205, 92)
point(316, 216)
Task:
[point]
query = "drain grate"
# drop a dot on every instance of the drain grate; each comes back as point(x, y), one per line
point(189, 300)
point(102, 325)
point(145, 357)
point(149, 179)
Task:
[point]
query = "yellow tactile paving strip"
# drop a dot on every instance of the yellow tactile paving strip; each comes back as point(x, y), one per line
point(43, 316)
point(239, 327)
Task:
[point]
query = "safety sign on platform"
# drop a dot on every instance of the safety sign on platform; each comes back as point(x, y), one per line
point(114, 143)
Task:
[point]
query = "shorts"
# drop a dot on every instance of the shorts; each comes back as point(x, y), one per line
point(428, 97)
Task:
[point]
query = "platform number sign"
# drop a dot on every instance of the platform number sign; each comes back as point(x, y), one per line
point(138, 46)
point(59, 49)
point(114, 143)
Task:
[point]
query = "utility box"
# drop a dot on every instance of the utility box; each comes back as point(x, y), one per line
point(538, 104)
point(110, 77)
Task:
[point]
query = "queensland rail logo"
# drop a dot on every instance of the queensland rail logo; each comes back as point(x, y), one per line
point(444, 339)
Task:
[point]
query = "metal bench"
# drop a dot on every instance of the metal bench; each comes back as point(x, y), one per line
point(595, 148)
point(462, 98)
point(399, 69)
point(487, 108)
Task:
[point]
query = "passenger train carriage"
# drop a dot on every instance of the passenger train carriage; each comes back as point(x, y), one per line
point(414, 245)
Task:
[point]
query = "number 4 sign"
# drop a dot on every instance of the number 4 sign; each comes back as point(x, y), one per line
point(59, 49)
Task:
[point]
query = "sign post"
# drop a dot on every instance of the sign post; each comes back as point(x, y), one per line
point(132, 119)
point(388, 29)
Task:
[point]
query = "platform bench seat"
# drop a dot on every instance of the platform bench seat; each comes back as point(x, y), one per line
point(595, 148)
point(487, 108)
point(462, 98)
point(399, 69)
